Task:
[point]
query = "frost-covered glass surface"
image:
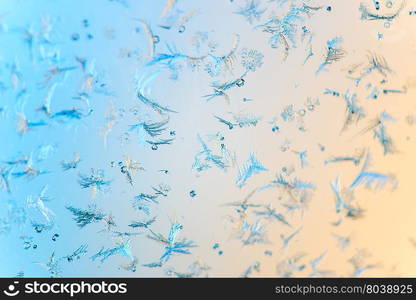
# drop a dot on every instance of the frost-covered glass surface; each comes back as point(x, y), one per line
point(219, 138)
